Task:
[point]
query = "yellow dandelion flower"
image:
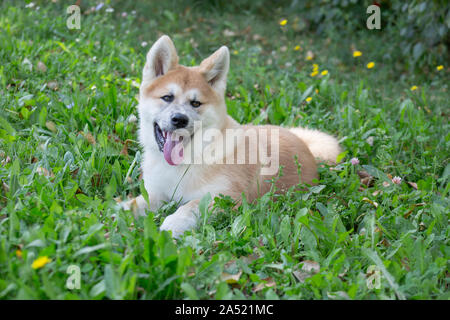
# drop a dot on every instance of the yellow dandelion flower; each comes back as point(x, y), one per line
point(297, 48)
point(309, 55)
point(317, 91)
point(19, 253)
point(324, 72)
point(315, 67)
point(308, 99)
point(413, 88)
point(314, 73)
point(439, 68)
point(283, 22)
point(40, 262)
point(357, 54)
point(235, 52)
point(370, 65)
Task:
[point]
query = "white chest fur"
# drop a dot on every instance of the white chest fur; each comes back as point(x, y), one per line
point(180, 183)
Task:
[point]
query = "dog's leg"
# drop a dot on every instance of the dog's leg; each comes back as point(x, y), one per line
point(185, 218)
point(137, 205)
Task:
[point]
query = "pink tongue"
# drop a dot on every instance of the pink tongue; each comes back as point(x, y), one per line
point(173, 150)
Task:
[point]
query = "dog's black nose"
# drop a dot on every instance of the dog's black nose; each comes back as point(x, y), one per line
point(179, 120)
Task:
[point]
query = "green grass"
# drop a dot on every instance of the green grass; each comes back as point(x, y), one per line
point(68, 149)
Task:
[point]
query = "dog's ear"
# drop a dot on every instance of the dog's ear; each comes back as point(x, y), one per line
point(161, 58)
point(215, 68)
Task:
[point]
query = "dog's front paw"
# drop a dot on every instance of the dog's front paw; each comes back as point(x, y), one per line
point(136, 205)
point(178, 224)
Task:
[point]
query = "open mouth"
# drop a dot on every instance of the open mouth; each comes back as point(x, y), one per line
point(170, 145)
point(160, 137)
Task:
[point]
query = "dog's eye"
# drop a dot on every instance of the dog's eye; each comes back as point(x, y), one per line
point(195, 103)
point(168, 98)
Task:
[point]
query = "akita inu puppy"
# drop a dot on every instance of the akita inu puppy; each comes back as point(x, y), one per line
point(183, 117)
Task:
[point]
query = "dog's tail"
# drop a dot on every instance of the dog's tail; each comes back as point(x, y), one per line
point(323, 146)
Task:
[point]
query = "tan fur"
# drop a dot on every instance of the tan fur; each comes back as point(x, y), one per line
point(247, 178)
point(186, 78)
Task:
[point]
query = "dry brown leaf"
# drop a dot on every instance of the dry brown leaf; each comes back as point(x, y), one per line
point(230, 263)
point(309, 268)
point(44, 172)
point(52, 85)
point(377, 192)
point(231, 278)
point(250, 258)
point(367, 181)
point(90, 138)
point(51, 126)
point(41, 66)
point(413, 184)
point(384, 242)
point(268, 283)
point(5, 187)
point(365, 178)
point(259, 287)
point(363, 174)
point(256, 37)
point(216, 243)
point(343, 273)
point(229, 33)
point(74, 172)
point(408, 213)
point(212, 293)
point(375, 204)
point(124, 150)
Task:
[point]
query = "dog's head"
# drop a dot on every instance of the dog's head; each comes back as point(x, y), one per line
point(173, 97)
